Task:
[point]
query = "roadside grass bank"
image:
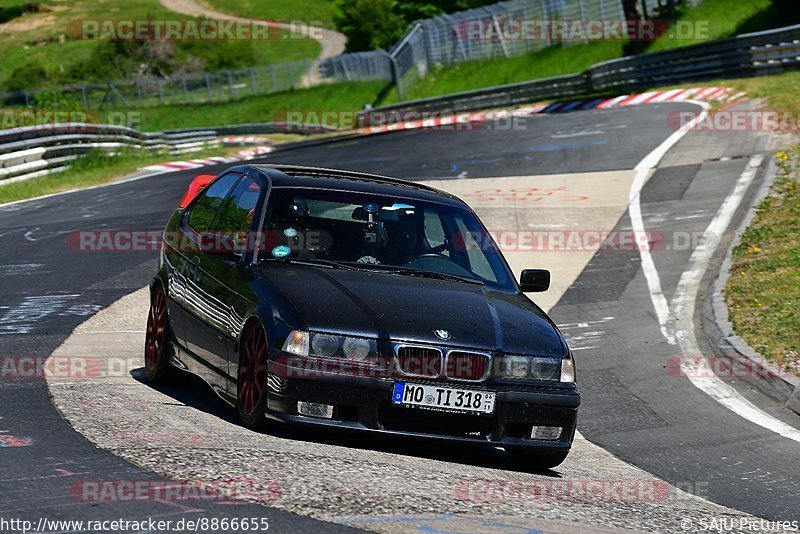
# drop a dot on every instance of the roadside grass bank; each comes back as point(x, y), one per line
point(711, 19)
point(42, 46)
point(309, 103)
point(469, 75)
point(781, 92)
point(763, 291)
point(778, 91)
point(97, 168)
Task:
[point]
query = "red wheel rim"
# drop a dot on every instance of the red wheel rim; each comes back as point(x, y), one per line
point(156, 328)
point(252, 370)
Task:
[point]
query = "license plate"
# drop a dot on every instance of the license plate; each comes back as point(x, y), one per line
point(444, 398)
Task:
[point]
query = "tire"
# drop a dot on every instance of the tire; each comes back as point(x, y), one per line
point(251, 382)
point(536, 459)
point(157, 349)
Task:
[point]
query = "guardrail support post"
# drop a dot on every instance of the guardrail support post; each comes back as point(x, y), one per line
point(139, 91)
point(230, 84)
point(252, 80)
point(185, 90)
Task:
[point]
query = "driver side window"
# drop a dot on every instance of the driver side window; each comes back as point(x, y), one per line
point(202, 213)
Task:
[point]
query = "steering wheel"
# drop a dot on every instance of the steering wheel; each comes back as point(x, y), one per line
point(432, 255)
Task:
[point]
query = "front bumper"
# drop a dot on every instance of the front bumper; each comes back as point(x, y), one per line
point(364, 403)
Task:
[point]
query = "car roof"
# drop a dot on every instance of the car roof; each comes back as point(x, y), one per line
point(317, 177)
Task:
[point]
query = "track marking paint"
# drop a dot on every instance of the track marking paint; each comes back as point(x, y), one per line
point(677, 323)
point(683, 308)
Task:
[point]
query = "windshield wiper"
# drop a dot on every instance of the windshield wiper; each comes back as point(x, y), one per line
point(436, 275)
point(320, 263)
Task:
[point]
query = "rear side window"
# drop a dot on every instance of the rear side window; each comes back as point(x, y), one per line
point(236, 217)
point(202, 213)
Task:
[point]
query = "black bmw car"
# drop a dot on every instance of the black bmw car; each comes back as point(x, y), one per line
point(337, 298)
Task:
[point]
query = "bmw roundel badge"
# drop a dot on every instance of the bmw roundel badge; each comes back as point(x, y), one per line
point(442, 334)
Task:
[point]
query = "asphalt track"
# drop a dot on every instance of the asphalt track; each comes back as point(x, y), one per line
point(633, 406)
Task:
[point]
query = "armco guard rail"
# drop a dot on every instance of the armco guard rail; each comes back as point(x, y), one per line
point(32, 151)
point(767, 52)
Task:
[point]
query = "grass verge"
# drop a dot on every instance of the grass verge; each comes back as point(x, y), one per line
point(763, 291)
point(345, 97)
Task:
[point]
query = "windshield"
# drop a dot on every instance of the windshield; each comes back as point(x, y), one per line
point(395, 234)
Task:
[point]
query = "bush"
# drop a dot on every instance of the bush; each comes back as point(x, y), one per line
point(26, 76)
point(11, 12)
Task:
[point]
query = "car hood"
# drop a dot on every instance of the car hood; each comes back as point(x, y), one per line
point(410, 308)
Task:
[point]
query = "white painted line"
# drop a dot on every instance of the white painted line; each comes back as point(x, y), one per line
point(613, 102)
point(678, 325)
point(667, 95)
point(643, 170)
point(687, 217)
point(683, 307)
point(690, 93)
point(640, 98)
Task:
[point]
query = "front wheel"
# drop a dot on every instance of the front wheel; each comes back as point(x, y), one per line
point(536, 459)
point(251, 383)
point(156, 345)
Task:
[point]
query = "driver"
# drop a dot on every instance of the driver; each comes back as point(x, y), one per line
point(403, 243)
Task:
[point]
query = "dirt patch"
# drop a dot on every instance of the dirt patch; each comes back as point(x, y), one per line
point(27, 23)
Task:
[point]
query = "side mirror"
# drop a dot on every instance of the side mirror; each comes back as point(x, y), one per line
point(220, 246)
point(534, 280)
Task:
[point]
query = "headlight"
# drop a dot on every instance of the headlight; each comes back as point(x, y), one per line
point(330, 346)
point(516, 366)
point(325, 344)
point(358, 349)
point(568, 369)
point(529, 367)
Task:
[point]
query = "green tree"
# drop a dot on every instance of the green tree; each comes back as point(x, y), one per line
point(374, 24)
point(369, 24)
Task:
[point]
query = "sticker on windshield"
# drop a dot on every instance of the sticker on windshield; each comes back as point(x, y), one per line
point(281, 251)
point(290, 232)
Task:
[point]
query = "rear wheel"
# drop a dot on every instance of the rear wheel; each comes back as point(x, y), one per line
point(536, 460)
point(157, 351)
point(251, 390)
